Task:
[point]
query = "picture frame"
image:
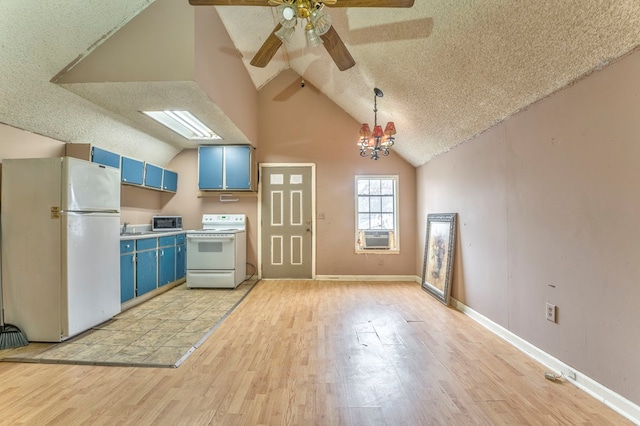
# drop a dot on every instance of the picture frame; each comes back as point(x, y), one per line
point(439, 252)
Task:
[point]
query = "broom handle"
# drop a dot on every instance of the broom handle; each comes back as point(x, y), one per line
point(1, 300)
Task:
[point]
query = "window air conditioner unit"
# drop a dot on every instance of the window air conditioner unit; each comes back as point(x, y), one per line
point(376, 240)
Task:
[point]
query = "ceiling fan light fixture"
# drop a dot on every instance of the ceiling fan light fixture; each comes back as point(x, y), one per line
point(321, 22)
point(313, 39)
point(287, 15)
point(285, 34)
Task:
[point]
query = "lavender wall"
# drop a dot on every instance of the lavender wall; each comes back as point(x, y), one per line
point(548, 204)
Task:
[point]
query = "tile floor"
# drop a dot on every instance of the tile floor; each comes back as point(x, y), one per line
point(161, 332)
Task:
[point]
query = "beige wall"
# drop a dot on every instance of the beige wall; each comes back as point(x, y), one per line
point(291, 131)
point(548, 204)
point(220, 72)
point(16, 143)
point(300, 125)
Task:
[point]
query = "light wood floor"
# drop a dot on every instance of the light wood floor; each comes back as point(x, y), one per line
point(305, 353)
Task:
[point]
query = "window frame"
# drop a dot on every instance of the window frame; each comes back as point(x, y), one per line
point(395, 236)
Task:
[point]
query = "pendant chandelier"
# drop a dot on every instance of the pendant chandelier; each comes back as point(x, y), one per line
point(376, 143)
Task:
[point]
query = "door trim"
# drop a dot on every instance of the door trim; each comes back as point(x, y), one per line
point(313, 212)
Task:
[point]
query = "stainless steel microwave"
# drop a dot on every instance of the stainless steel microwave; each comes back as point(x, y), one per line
point(166, 223)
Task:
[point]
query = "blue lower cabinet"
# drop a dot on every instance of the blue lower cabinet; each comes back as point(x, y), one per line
point(166, 260)
point(149, 263)
point(181, 253)
point(127, 277)
point(167, 265)
point(127, 271)
point(147, 272)
point(146, 265)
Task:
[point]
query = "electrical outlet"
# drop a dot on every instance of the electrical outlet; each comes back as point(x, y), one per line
point(551, 312)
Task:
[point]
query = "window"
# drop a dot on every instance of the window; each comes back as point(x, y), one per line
point(376, 214)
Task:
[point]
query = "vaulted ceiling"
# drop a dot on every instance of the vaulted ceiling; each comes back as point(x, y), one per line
point(449, 69)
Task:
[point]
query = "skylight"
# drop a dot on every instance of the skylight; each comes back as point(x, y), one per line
point(184, 123)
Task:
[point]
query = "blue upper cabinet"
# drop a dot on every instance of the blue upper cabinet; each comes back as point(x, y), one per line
point(210, 163)
point(237, 167)
point(153, 176)
point(132, 171)
point(226, 168)
point(169, 181)
point(106, 158)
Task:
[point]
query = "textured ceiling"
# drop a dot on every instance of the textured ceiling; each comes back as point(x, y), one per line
point(448, 69)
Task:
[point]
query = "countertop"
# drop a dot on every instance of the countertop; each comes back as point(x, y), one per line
point(148, 234)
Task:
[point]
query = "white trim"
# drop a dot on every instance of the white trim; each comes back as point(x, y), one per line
point(365, 278)
point(396, 212)
point(610, 398)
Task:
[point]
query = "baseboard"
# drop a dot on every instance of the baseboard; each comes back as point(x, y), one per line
point(610, 398)
point(365, 278)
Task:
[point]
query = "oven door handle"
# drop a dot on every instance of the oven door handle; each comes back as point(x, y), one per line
point(209, 238)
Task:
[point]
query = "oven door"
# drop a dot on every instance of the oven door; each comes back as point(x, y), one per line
point(210, 251)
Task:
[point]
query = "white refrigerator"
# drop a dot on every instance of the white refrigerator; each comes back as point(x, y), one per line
point(60, 245)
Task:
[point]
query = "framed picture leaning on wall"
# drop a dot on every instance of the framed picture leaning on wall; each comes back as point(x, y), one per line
point(439, 253)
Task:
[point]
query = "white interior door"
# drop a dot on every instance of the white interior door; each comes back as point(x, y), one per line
point(286, 213)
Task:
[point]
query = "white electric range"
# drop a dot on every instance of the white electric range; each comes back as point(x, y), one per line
point(217, 253)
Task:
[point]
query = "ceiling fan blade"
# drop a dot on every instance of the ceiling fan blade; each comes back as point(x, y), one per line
point(229, 2)
point(370, 3)
point(337, 50)
point(267, 50)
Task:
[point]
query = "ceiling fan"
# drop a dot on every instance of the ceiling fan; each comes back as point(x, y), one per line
point(317, 24)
